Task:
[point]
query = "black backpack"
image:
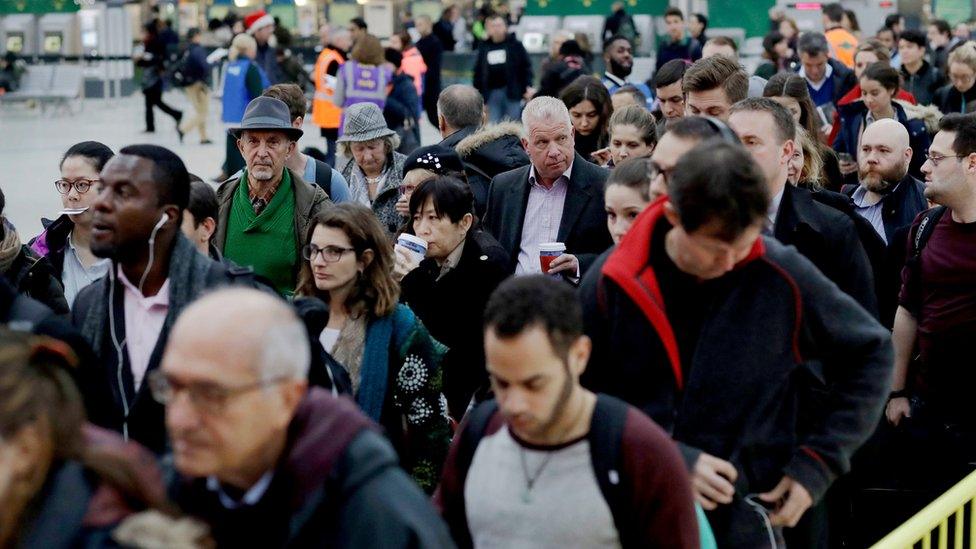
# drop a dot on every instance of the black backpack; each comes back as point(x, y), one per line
point(605, 436)
point(177, 71)
point(930, 218)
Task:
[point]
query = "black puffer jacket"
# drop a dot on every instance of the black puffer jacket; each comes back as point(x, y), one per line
point(34, 277)
point(487, 152)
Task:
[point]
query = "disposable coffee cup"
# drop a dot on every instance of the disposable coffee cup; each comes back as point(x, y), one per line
point(415, 245)
point(548, 251)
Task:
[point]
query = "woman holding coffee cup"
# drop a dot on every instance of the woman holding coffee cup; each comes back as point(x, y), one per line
point(451, 286)
point(392, 360)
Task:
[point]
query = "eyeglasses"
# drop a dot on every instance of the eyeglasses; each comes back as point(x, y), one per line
point(208, 398)
point(936, 159)
point(81, 185)
point(407, 189)
point(330, 254)
point(657, 170)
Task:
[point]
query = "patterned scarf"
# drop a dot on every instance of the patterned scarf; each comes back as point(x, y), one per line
point(349, 348)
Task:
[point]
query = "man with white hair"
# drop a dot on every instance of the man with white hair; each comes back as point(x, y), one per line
point(557, 198)
point(264, 460)
point(887, 196)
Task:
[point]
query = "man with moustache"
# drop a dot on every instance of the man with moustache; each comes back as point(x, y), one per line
point(618, 56)
point(887, 196)
point(535, 463)
point(269, 206)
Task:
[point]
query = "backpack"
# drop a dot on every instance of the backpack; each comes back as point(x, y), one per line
point(177, 71)
point(605, 436)
point(323, 176)
point(926, 227)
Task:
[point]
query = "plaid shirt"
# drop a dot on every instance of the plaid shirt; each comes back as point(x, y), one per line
point(259, 202)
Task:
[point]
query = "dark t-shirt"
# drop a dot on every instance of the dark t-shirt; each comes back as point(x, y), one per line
point(940, 292)
point(496, 60)
point(685, 298)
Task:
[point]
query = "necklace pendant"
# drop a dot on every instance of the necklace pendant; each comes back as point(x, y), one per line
point(526, 495)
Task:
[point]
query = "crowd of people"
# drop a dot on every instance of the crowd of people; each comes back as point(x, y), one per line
point(710, 309)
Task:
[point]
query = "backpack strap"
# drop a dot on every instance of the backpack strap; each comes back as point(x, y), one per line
point(475, 426)
point(606, 438)
point(323, 177)
point(925, 229)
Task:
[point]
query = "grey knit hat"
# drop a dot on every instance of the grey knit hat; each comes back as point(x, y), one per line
point(363, 122)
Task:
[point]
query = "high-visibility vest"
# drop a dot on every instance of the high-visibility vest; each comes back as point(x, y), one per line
point(324, 113)
point(413, 65)
point(843, 46)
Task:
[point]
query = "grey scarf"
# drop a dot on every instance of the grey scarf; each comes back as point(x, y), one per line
point(9, 247)
point(349, 348)
point(187, 275)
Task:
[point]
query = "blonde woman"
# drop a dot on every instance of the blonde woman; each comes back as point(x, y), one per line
point(960, 94)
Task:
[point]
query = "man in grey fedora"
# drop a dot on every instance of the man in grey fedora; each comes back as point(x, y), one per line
point(375, 169)
point(268, 204)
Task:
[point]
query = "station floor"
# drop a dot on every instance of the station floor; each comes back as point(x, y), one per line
point(32, 142)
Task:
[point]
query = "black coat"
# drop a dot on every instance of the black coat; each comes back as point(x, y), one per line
point(583, 227)
point(518, 69)
point(924, 83)
point(487, 152)
point(34, 277)
point(432, 51)
point(451, 309)
point(950, 100)
point(829, 239)
point(774, 328)
point(844, 79)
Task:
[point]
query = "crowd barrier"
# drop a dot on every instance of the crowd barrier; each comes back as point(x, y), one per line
point(950, 518)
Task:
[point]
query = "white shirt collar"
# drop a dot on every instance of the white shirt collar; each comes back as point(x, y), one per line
point(817, 85)
point(533, 176)
point(614, 78)
point(251, 497)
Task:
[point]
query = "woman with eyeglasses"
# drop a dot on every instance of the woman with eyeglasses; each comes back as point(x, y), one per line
point(64, 483)
point(960, 94)
point(65, 241)
point(393, 362)
point(450, 287)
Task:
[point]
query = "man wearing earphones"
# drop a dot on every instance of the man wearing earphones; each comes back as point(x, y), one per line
point(156, 272)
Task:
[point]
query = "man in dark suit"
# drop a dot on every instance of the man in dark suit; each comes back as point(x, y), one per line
point(557, 198)
point(827, 237)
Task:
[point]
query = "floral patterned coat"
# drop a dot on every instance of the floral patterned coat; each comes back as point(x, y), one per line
point(400, 388)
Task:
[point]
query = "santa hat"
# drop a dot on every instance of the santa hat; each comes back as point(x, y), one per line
point(257, 21)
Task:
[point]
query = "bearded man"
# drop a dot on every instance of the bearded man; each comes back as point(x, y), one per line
point(887, 196)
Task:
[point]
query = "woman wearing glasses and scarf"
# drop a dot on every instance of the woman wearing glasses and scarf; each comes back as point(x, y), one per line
point(64, 241)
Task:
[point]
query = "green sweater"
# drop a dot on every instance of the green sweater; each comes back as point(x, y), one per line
point(265, 242)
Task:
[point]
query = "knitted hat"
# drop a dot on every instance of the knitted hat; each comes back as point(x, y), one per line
point(435, 158)
point(257, 21)
point(363, 122)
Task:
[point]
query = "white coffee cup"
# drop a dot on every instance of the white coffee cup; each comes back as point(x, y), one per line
point(415, 245)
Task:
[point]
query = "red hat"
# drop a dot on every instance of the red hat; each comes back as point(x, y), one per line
point(257, 21)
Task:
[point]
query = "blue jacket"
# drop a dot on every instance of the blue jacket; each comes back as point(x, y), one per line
point(236, 96)
point(852, 117)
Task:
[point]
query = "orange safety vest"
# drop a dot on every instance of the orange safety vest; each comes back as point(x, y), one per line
point(324, 113)
point(843, 46)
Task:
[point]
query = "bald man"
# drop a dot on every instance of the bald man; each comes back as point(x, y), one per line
point(251, 440)
point(887, 195)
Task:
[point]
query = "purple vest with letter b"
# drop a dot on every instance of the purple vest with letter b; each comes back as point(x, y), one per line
point(364, 84)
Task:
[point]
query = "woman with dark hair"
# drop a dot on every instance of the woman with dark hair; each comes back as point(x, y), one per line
point(879, 86)
point(65, 241)
point(790, 90)
point(777, 54)
point(629, 191)
point(394, 364)
point(463, 267)
point(589, 110)
point(64, 483)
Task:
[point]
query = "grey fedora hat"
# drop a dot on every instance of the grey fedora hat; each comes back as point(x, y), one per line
point(267, 114)
point(363, 122)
